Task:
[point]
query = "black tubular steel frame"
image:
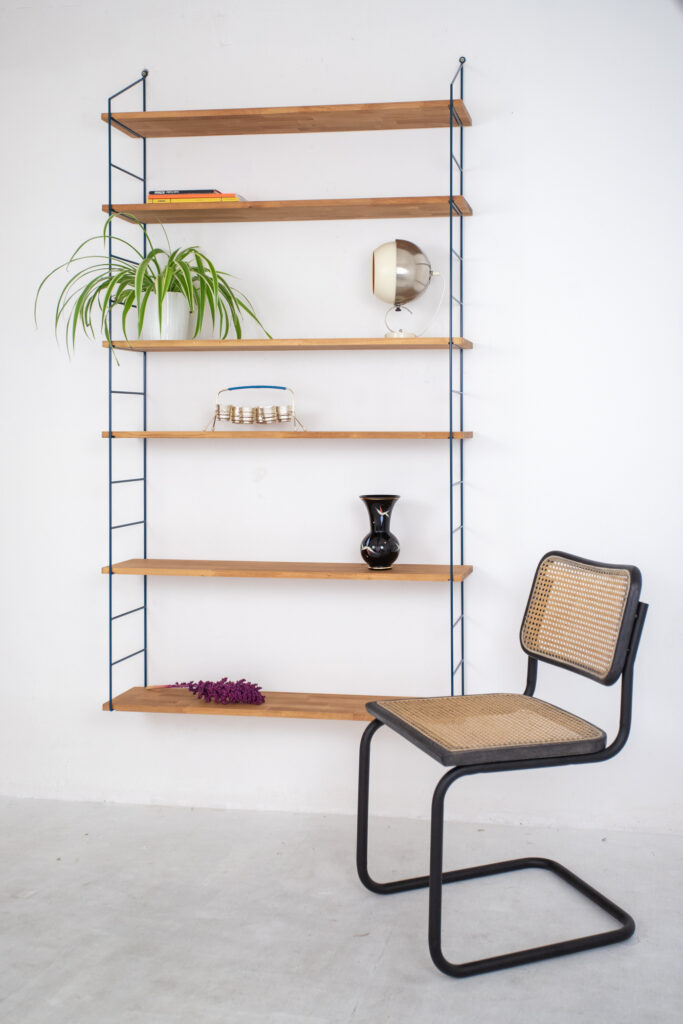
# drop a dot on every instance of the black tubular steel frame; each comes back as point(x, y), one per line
point(456, 298)
point(142, 480)
point(437, 877)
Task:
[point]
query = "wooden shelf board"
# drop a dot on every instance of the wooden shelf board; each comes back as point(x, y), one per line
point(291, 209)
point(401, 571)
point(287, 344)
point(293, 435)
point(174, 700)
point(347, 117)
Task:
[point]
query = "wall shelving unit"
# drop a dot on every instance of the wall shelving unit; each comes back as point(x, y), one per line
point(144, 124)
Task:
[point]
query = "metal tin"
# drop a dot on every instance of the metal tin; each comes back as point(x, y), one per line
point(255, 414)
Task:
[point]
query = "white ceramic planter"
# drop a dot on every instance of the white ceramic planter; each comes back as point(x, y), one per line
point(175, 319)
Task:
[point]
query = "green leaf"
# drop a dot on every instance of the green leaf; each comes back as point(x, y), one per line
point(127, 306)
point(140, 278)
point(201, 305)
point(141, 311)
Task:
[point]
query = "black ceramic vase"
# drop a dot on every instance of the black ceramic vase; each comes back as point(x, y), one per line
point(380, 548)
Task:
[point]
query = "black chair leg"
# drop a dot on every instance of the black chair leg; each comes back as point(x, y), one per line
point(438, 877)
point(404, 884)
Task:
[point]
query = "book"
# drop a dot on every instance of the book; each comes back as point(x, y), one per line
point(210, 198)
point(174, 200)
point(183, 191)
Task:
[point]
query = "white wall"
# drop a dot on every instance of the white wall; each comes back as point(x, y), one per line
point(573, 171)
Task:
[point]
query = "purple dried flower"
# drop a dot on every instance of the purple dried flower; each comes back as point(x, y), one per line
point(224, 691)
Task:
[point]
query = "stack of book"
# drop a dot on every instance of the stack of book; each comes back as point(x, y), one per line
point(192, 195)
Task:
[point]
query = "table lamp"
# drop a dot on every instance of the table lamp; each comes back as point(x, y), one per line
point(400, 273)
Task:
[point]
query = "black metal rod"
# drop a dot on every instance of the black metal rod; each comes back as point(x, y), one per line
point(143, 76)
point(364, 811)
point(119, 660)
point(456, 118)
point(456, 121)
point(127, 129)
point(109, 409)
point(124, 170)
point(123, 216)
point(121, 615)
point(437, 877)
point(144, 400)
point(460, 63)
point(450, 382)
point(111, 120)
point(462, 382)
point(144, 508)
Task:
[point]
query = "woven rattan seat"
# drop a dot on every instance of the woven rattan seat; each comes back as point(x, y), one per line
point(488, 727)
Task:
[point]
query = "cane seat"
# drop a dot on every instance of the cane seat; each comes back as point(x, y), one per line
point(485, 727)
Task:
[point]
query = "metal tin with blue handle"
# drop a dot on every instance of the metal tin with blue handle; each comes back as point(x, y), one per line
point(255, 414)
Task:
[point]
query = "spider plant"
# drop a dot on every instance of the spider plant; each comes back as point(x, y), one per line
point(131, 282)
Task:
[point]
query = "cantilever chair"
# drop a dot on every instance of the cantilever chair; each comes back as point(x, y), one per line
point(582, 616)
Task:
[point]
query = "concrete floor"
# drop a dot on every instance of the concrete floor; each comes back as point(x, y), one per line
point(156, 915)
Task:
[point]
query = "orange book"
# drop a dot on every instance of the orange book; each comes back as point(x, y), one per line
point(175, 202)
point(185, 192)
point(186, 197)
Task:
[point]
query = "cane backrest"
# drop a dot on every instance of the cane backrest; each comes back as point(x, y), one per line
point(580, 615)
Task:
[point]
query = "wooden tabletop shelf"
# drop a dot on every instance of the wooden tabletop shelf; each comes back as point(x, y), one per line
point(173, 700)
point(293, 435)
point(346, 117)
point(401, 571)
point(291, 209)
point(287, 344)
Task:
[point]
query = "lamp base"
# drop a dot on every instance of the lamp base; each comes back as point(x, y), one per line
point(400, 334)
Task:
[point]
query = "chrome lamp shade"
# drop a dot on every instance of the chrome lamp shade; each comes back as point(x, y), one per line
point(401, 272)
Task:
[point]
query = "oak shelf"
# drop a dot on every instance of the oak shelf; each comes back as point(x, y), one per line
point(287, 570)
point(348, 707)
point(293, 435)
point(287, 344)
point(291, 209)
point(346, 117)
